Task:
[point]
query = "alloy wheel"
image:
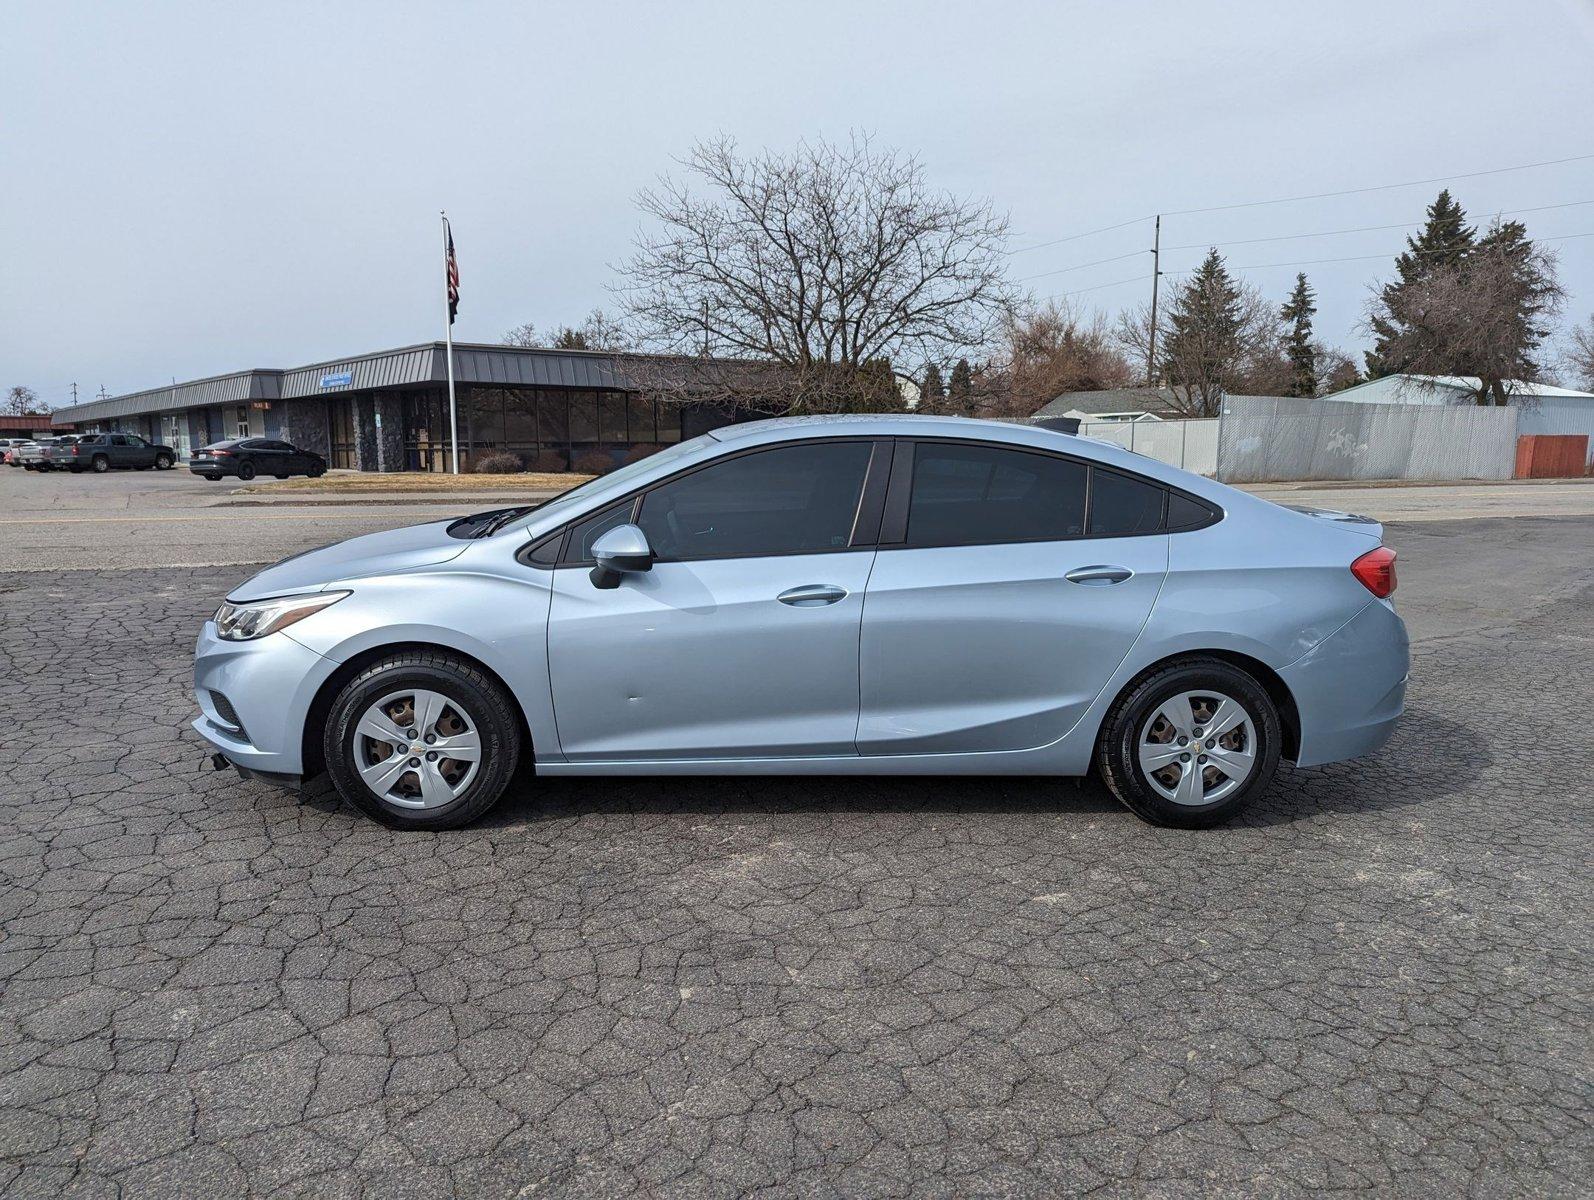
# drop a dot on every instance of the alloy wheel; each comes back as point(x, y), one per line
point(417, 749)
point(1197, 747)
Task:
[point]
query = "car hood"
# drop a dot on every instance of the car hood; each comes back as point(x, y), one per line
point(360, 557)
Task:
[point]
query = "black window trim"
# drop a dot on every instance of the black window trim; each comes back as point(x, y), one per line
point(894, 529)
point(880, 520)
point(865, 519)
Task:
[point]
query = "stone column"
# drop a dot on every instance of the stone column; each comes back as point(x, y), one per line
point(365, 434)
point(304, 424)
point(389, 410)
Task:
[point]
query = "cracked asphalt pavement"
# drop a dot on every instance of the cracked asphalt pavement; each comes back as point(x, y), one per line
point(1378, 980)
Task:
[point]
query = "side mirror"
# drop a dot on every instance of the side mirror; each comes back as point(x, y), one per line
point(621, 550)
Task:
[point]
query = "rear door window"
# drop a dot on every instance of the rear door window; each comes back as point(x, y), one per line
point(964, 495)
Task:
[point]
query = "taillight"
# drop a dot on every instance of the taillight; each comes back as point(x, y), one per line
point(1376, 570)
point(74, 450)
point(222, 453)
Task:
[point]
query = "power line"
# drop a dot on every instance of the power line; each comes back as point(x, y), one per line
point(1289, 237)
point(1382, 187)
point(1309, 262)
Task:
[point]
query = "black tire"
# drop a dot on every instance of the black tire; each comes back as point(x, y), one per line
point(246, 471)
point(101, 464)
point(481, 698)
point(316, 470)
point(164, 462)
point(279, 476)
point(213, 478)
point(1117, 757)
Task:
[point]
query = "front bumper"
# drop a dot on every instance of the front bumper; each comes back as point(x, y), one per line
point(1351, 688)
point(270, 684)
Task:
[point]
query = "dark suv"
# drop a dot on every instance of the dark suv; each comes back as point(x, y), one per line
point(102, 451)
point(248, 457)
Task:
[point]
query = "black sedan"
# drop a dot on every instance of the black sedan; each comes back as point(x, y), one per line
point(248, 457)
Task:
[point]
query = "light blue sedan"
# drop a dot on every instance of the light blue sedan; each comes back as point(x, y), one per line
point(823, 596)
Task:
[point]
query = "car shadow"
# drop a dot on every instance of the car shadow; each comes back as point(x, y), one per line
point(1404, 773)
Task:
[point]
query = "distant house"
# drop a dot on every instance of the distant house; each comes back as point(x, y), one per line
point(1452, 389)
point(1114, 405)
point(1541, 407)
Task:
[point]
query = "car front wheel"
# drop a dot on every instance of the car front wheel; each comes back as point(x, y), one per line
point(422, 740)
point(1190, 744)
point(163, 462)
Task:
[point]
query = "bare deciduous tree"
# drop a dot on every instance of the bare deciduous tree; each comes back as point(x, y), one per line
point(599, 331)
point(1045, 350)
point(21, 400)
point(1485, 315)
point(827, 263)
point(1580, 354)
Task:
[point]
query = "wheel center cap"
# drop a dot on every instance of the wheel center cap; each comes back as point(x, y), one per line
point(417, 748)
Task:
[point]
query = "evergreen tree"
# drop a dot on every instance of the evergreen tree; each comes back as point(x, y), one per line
point(1205, 346)
point(1298, 349)
point(932, 391)
point(1444, 241)
point(960, 389)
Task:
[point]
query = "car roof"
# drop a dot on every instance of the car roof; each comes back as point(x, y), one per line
point(1012, 433)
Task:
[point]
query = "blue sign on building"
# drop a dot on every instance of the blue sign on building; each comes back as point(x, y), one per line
point(341, 379)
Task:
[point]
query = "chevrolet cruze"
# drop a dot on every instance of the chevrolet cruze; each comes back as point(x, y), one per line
point(823, 596)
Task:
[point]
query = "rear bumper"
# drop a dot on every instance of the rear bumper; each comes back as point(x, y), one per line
point(1350, 690)
point(269, 684)
point(209, 467)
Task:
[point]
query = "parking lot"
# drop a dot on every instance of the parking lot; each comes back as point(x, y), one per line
point(1378, 980)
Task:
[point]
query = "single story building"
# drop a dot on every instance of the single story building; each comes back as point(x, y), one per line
point(1541, 408)
point(1112, 406)
point(28, 425)
point(388, 411)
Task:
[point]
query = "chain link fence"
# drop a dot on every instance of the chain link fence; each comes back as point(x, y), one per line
point(1192, 445)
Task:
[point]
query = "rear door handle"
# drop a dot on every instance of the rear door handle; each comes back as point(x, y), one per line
point(1098, 576)
point(812, 595)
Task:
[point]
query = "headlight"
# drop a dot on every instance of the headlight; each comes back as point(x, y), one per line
point(255, 619)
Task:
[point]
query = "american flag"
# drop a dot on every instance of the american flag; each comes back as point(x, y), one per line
point(451, 270)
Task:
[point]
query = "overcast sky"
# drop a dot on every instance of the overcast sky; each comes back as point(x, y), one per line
point(193, 189)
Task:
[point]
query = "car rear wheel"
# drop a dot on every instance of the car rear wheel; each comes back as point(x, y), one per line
point(101, 464)
point(246, 471)
point(422, 740)
point(1190, 744)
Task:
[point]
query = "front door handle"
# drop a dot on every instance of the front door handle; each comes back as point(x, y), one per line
point(1098, 576)
point(812, 595)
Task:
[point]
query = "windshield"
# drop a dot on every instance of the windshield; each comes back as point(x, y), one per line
point(622, 476)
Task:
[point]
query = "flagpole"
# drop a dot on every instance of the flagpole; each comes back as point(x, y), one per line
point(448, 334)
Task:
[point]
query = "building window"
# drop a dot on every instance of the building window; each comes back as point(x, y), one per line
point(241, 421)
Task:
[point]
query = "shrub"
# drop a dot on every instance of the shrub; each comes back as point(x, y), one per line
point(593, 462)
point(499, 462)
point(549, 462)
point(641, 450)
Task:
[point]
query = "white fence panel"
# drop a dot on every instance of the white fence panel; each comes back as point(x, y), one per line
point(1192, 445)
point(1265, 438)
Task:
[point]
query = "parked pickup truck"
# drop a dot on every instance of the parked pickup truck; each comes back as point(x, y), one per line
point(103, 451)
point(39, 454)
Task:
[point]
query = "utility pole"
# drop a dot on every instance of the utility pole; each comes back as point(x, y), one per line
point(104, 396)
point(74, 393)
point(1156, 275)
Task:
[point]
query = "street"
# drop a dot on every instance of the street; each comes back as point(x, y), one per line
point(1377, 980)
